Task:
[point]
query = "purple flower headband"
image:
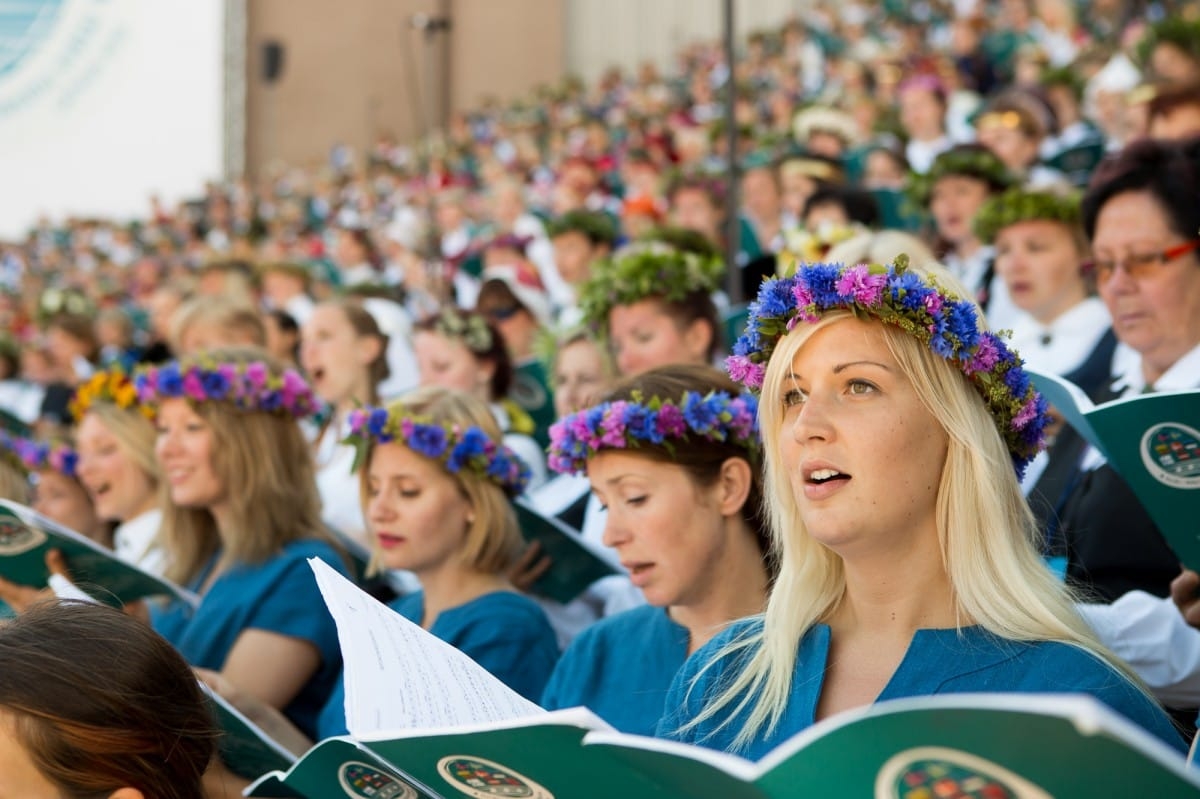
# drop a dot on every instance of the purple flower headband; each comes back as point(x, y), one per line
point(945, 323)
point(37, 456)
point(250, 386)
point(626, 424)
point(455, 448)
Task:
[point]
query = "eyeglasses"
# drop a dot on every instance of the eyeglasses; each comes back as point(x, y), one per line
point(502, 314)
point(1138, 265)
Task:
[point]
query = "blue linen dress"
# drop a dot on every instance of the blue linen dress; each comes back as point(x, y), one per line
point(938, 661)
point(503, 631)
point(620, 669)
point(280, 596)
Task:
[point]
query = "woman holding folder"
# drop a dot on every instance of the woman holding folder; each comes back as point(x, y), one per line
point(241, 518)
point(895, 429)
point(435, 484)
point(673, 454)
point(436, 479)
point(1141, 215)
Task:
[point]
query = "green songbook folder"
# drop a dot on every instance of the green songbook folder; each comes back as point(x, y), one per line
point(1153, 442)
point(574, 563)
point(26, 536)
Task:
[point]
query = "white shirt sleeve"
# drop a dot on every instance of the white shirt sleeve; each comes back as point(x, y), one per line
point(1151, 635)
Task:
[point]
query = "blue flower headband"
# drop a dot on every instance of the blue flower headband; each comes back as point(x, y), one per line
point(251, 386)
point(625, 424)
point(945, 323)
point(28, 455)
point(457, 449)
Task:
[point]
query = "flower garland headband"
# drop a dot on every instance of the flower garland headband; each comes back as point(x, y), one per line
point(1018, 205)
point(113, 387)
point(973, 161)
point(646, 269)
point(468, 327)
point(249, 386)
point(625, 424)
point(457, 449)
point(948, 325)
point(27, 455)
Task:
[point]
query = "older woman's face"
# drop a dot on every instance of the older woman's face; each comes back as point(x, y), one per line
point(1156, 312)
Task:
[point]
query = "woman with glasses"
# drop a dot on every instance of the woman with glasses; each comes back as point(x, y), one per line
point(1143, 221)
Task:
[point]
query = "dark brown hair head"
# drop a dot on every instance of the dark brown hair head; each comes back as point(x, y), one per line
point(102, 702)
point(701, 458)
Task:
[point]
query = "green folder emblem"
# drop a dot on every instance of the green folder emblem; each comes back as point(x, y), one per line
point(362, 781)
point(16, 538)
point(483, 779)
point(1171, 453)
point(934, 771)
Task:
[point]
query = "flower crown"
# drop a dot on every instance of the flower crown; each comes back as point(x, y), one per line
point(469, 328)
point(456, 448)
point(807, 246)
point(948, 325)
point(646, 269)
point(249, 386)
point(973, 161)
point(28, 455)
point(624, 424)
point(113, 387)
point(1018, 205)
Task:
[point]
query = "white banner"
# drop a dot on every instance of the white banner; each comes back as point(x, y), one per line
point(104, 103)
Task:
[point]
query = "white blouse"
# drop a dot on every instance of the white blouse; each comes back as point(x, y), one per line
point(341, 506)
point(136, 541)
point(1062, 346)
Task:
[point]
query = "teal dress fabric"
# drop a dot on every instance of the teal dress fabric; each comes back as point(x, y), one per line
point(504, 632)
point(945, 661)
point(278, 596)
point(620, 669)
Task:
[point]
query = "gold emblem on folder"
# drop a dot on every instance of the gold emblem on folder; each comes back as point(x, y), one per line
point(483, 779)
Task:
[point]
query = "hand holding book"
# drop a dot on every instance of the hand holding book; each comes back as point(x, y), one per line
point(19, 597)
point(26, 540)
point(1153, 443)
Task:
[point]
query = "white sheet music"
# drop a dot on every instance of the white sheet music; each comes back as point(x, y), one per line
point(399, 677)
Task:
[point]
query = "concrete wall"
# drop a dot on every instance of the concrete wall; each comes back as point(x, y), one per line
point(604, 33)
point(358, 68)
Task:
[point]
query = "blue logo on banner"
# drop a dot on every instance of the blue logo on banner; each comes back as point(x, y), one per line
point(23, 25)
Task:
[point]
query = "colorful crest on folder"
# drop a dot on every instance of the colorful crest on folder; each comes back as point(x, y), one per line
point(363, 781)
point(483, 779)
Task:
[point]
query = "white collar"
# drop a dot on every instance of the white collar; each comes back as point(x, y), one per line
point(1090, 314)
point(1182, 375)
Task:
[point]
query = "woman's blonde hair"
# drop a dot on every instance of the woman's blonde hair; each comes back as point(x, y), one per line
point(493, 538)
point(263, 461)
point(238, 321)
point(882, 247)
point(988, 537)
point(134, 433)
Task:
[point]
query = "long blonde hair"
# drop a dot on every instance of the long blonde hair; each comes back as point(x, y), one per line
point(988, 537)
point(493, 539)
point(264, 462)
point(134, 433)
